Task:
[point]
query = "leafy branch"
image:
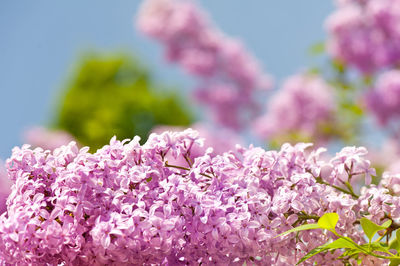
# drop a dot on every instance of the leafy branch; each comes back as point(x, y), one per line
point(351, 249)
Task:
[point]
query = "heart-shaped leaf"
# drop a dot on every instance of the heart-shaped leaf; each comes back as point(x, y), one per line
point(370, 228)
point(328, 221)
point(343, 242)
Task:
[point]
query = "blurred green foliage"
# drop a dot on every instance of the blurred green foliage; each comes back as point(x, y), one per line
point(114, 95)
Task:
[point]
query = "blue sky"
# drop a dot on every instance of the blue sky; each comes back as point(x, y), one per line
point(41, 39)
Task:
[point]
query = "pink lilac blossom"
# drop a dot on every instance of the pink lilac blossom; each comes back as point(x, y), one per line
point(220, 140)
point(228, 75)
point(5, 187)
point(384, 100)
point(365, 34)
point(303, 102)
point(346, 2)
point(125, 204)
point(387, 157)
point(382, 201)
point(47, 139)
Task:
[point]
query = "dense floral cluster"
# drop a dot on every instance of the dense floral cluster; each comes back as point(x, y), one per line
point(304, 102)
point(366, 34)
point(127, 204)
point(381, 202)
point(201, 198)
point(384, 100)
point(228, 75)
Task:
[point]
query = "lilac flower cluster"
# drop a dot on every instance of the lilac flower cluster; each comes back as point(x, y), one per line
point(381, 202)
point(365, 34)
point(384, 100)
point(228, 75)
point(127, 204)
point(303, 102)
point(220, 140)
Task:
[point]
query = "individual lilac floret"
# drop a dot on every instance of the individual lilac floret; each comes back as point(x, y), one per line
point(365, 34)
point(300, 106)
point(47, 139)
point(384, 100)
point(125, 204)
point(228, 75)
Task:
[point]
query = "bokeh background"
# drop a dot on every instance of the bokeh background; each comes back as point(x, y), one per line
point(42, 43)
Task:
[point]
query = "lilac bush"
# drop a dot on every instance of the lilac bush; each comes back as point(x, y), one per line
point(196, 197)
point(127, 204)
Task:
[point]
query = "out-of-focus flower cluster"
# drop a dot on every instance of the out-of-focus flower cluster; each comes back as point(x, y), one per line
point(365, 34)
point(384, 100)
point(302, 104)
point(228, 75)
point(47, 139)
point(127, 204)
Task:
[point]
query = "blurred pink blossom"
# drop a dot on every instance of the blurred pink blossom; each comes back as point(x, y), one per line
point(228, 75)
point(384, 100)
point(47, 139)
point(300, 105)
point(365, 34)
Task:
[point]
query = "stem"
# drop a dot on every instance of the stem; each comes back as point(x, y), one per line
point(350, 192)
point(184, 168)
point(189, 162)
point(176, 166)
point(206, 175)
point(362, 249)
point(305, 216)
point(382, 236)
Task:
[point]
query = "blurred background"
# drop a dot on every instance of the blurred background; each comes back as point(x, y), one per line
point(57, 54)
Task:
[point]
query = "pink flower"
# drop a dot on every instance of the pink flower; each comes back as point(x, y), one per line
point(299, 106)
point(229, 76)
point(47, 139)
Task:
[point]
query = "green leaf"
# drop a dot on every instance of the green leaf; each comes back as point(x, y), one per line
point(370, 228)
point(343, 242)
point(351, 253)
point(395, 243)
point(317, 48)
point(328, 221)
point(300, 228)
point(339, 66)
point(376, 246)
point(394, 262)
point(387, 224)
